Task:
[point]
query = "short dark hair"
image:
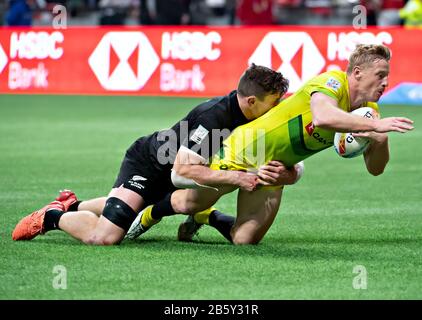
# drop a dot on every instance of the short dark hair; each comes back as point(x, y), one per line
point(260, 81)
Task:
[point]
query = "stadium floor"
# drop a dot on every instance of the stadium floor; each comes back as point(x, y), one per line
point(336, 224)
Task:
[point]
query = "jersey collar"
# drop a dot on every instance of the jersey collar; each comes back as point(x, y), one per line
point(237, 114)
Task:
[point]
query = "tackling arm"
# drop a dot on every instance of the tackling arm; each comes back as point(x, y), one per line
point(189, 171)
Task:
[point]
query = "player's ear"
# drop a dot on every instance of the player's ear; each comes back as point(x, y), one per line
point(357, 72)
point(251, 100)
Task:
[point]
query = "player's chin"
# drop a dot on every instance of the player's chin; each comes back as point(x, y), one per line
point(375, 97)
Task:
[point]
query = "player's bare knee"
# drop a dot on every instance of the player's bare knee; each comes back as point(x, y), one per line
point(108, 241)
point(177, 206)
point(100, 241)
point(92, 240)
point(240, 237)
point(181, 205)
point(243, 241)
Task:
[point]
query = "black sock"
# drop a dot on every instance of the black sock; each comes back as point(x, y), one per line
point(163, 208)
point(74, 206)
point(51, 219)
point(222, 222)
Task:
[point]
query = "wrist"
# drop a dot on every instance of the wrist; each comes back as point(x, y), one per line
point(233, 178)
point(375, 123)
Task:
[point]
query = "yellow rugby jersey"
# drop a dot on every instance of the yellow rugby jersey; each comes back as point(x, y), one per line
point(286, 132)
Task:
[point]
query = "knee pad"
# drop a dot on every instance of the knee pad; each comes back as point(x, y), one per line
point(118, 212)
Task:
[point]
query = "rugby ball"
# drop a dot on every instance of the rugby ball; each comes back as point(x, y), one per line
point(348, 146)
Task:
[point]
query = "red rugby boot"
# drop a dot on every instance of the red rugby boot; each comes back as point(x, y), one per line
point(33, 225)
point(67, 198)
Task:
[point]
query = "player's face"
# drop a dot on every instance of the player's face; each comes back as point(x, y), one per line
point(262, 106)
point(374, 80)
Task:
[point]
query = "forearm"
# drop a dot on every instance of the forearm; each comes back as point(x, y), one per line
point(337, 120)
point(326, 115)
point(205, 176)
point(348, 124)
point(190, 171)
point(376, 157)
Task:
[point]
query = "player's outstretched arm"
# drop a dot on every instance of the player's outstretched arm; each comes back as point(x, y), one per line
point(398, 124)
point(327, 115)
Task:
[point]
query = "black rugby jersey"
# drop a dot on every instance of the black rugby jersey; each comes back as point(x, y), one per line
point(202, 131)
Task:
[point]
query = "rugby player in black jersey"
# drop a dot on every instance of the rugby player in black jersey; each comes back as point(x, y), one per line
point(145, 175)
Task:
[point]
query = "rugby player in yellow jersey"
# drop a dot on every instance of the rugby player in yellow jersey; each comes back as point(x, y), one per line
point(297, 128)
point(145, 174)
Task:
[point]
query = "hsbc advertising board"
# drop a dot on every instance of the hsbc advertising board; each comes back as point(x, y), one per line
point(185, 61)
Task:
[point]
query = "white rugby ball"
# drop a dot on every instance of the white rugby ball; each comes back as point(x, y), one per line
point(348, 146)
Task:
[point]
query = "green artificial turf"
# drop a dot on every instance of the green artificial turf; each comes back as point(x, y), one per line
point(336, 218)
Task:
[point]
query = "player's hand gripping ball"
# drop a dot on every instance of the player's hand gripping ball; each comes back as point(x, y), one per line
point(348, 146)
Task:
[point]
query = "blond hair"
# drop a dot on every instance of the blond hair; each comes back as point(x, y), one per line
point(365, 54)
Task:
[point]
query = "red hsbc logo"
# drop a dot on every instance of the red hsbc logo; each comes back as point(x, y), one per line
point(3, 59)
point(123, 61)
point(294, 54)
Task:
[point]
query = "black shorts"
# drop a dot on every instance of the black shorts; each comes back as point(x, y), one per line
point(138, 174)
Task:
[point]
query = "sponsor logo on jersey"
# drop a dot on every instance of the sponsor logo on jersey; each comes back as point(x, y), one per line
point(333, 84)
point(310, 128)
point(134, 182)
point(138, 178)
point(199, 134)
